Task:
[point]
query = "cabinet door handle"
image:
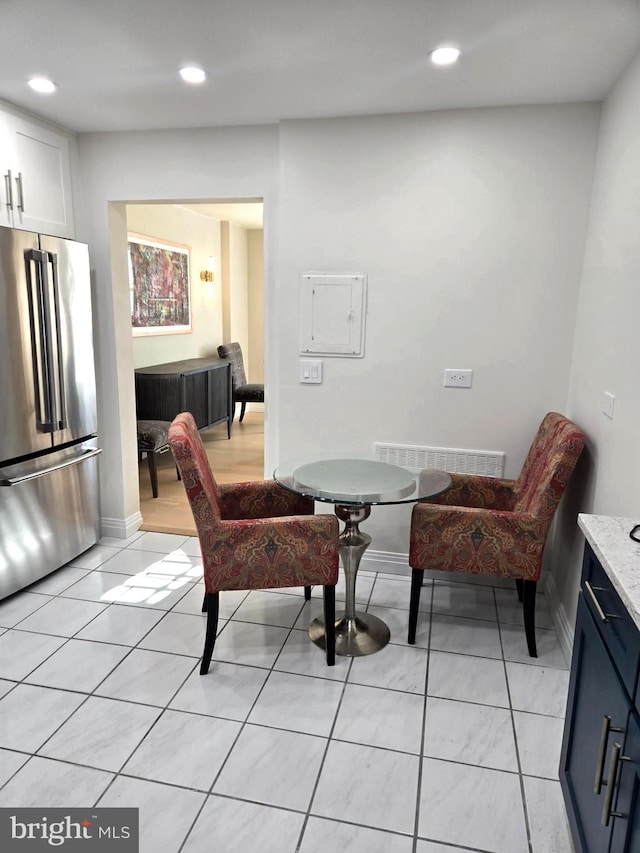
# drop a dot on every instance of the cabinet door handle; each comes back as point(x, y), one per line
point(616, 758)
point(20, 189)
point(9, 190)
point(604, 617)
point(604, 736)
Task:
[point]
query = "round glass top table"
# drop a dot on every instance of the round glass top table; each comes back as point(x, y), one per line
point(354, 486)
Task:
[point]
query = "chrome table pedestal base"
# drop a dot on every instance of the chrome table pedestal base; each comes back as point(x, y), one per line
point(357, 633)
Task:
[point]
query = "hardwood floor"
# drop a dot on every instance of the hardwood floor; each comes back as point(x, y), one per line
point(232, 460)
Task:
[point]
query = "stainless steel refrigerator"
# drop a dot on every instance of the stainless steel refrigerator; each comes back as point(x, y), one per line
point(49, 503)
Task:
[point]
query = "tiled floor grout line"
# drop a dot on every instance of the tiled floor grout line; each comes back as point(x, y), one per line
point(525, 809)
point(93, 692)
point(243, 725)
point(416, 824)
point(324, 758)
point(162, 709)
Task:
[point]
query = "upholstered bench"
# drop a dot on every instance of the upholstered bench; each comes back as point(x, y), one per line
point(153, 439)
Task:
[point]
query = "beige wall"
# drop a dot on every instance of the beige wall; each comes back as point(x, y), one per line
point(239, 289)
point(201, 235)
point(255, 270)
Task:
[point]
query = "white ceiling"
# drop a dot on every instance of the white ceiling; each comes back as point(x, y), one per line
point(245, 214)
point(116, 61)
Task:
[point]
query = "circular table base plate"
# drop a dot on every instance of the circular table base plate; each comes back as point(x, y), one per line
point(363, 635)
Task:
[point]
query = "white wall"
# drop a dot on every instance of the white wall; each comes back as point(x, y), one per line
point(179, 166)
point(470, 225)
point(201, 235)
point(606, 355)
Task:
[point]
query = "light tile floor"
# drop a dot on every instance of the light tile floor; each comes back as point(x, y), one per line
point(452, 744)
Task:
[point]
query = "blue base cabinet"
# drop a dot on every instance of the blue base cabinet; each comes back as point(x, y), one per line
point(600, 763)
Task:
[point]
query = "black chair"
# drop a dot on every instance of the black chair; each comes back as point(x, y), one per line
point(243, 392)
point(153, 439)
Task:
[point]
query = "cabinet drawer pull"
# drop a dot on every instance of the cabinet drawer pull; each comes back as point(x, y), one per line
point(602, 750)
point(9, 190)
point(20, 204)
point(604, 617)
point(616, 758)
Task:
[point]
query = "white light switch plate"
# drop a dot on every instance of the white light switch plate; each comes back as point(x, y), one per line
point(607, 404)
point(310, 371)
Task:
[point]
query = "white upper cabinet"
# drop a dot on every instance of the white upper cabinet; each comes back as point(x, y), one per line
point(35, 177)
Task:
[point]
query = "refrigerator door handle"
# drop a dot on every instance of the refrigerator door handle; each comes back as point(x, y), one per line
point(16, 481)
point(57, 379)
point(42, 355)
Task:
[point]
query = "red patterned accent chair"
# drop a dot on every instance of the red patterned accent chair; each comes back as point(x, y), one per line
point(489, 526)
point(253, 535)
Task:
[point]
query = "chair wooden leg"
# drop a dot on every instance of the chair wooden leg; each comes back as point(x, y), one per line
point(244, 406)
point(204, 603)
point(529, 608)
point(212, 628)
point(414, 601)
point(153, 472)
point(520, 588)
point(307, 593)
point(329, 599)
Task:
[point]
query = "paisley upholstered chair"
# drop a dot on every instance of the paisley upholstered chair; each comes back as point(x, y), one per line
point(495, 527)
point(253, 535)
point(243, 392)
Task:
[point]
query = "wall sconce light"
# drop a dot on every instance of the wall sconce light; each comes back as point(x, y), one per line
point(207, 275)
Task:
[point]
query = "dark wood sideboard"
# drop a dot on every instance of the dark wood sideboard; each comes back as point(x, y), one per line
point(201, 386)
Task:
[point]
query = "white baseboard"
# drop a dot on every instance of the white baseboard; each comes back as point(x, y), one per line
point(388, 562)
point(398, 564)
point(561, 622)
point(121, 528)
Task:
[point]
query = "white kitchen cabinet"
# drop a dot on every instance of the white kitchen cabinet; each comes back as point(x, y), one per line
point(35, 177)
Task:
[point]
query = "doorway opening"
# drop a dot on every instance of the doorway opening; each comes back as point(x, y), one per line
point(224, 239)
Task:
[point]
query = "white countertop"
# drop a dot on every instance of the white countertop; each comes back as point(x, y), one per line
point(618, 554)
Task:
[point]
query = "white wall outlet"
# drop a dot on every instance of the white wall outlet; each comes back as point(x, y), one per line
point(607, 404)
point(310, 371)
point(457, 378)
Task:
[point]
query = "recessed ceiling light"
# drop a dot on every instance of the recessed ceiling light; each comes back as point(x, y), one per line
point(191, 74)
point(445, 55)
point(42, 85)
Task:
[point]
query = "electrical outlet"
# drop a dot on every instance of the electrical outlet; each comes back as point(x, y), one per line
point(457, 378)
point(607, 404)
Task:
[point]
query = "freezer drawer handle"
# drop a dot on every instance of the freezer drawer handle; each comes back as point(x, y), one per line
point(16, 481)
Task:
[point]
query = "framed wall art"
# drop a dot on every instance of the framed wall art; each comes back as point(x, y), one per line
point(159, 287)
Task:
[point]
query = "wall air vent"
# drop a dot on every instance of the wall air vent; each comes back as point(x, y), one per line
point(488, 463)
